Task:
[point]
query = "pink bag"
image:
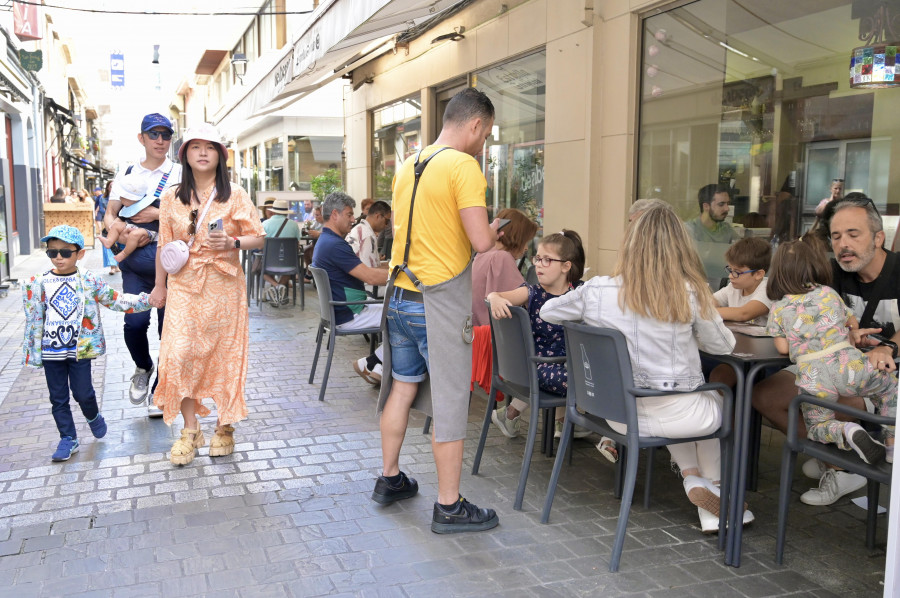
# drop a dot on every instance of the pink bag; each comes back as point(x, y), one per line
point(174, 254)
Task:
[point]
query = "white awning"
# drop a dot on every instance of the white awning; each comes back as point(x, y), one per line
point(338, 35)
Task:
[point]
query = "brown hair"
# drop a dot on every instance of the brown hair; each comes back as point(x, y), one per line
point(568, 245)
point(518, 232)
point(753, 252)
point(659, 268)
point(796, 268)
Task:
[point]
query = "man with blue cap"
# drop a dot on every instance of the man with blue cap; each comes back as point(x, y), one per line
point(139, 268)
point(63, 332)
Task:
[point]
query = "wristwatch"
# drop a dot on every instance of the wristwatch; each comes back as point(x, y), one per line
point(237, 243)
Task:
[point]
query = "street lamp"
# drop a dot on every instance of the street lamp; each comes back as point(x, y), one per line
point(239, 62)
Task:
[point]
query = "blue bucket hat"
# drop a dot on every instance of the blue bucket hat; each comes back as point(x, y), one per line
point(67, 234)
point(156, 120)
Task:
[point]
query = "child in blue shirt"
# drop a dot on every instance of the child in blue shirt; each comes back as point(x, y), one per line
point(63, 332)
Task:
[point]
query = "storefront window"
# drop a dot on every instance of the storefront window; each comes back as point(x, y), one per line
point(274, 178)
point(397, 136)
point(311, 156)
point(513, 160)
point(759, 102)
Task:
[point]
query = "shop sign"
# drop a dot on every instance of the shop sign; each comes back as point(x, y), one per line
point(117, 70)
point(282, 74)
point(308, 49)
point(26, 21)
point(31, 61)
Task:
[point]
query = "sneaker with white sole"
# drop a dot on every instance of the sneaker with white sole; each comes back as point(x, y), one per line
point(833, 485)
point(709, 523)
point(868, 449)
point(813, 469)
point(579, 431)
point(509, 427)
point(372, 376)
point(702, 493)
point(140, 384)
point(153, 411)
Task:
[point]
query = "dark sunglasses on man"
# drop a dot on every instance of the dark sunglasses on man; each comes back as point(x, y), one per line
point(154, 135)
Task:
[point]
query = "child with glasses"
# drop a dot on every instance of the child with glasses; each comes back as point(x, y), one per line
point(559, 265)
point(811, 323)
point(744, 298)
point(63, 332)
point(131, 189)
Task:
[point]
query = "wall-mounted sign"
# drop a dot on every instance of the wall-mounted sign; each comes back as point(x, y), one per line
point(117, 70)
point(31, 61)
point(26, 21)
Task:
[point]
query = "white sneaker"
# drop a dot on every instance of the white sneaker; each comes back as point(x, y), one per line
point(579, 431)
point(813, 469)
point(833, 485)
point(140, 384)
point(373, 376)
point(153, 411)
point(272, 296)
point(702, 493)
point(509, 427)
point(709, 523)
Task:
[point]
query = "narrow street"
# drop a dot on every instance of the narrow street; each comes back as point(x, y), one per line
point(289, 514)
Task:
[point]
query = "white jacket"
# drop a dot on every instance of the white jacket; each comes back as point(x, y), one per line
point(664, 355)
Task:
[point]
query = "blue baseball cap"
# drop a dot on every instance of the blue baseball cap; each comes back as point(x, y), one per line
point(67, 234)
point(155, 120)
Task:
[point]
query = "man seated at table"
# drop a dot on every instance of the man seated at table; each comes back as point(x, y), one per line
point(279, 225)
point(863, 272)
point(348, 275)
point(363, 238)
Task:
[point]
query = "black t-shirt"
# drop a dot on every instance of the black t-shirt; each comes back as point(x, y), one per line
point(856, 294)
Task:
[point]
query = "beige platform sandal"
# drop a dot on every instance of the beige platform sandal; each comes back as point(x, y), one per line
point(185, 448)
point(222, 444)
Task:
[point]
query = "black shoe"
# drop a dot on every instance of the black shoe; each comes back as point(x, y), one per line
point(385, 494)
point(466, 517)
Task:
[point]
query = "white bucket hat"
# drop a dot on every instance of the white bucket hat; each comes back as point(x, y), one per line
point(131, 186)
point(204, 131)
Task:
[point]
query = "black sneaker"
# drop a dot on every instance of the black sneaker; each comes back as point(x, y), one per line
point(869, 449)
point(466, 517)
point(385, 494)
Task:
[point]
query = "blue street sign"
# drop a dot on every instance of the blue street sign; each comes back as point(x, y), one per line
point(117, 70)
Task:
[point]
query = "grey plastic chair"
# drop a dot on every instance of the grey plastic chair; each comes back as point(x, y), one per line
point(877, 474)
point(601, 384)
point(280, 257)
point(515, 374)
point(326, 322)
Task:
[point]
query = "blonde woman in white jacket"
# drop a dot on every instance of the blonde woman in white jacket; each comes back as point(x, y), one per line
point(659, 300)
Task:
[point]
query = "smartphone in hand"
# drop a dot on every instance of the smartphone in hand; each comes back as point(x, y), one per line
point(217, 225)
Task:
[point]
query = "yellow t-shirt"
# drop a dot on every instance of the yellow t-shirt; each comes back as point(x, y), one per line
point(440, 248)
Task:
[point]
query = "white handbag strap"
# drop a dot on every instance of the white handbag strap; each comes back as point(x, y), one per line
point(212, 196)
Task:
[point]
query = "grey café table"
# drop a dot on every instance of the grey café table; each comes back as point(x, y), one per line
point(751, 355)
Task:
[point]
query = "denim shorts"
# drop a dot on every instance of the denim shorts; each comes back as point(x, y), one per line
point(409, 343)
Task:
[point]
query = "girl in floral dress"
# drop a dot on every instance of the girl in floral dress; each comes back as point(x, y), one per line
point(811, 323)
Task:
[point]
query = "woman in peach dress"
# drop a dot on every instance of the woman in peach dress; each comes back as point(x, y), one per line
point(203, 351)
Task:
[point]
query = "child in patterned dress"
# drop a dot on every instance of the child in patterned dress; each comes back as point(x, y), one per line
point(811, 323)
point(559, 264)
point(63, 332)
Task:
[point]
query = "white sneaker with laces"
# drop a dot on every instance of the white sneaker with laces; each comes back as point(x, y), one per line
point(373, 376)
point(509, 427)
point(709, 523)
point(813, 469)
point(833, 485)
point(579, 431)
point(153, 411)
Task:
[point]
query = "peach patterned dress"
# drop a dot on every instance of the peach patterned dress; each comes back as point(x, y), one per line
point(205, 338)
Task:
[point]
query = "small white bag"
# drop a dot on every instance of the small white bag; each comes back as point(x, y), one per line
point(174, 254)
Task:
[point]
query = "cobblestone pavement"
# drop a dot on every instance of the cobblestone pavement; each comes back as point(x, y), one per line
point(289, 513)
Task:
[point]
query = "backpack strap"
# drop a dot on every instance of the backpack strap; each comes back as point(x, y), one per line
point(404, 267)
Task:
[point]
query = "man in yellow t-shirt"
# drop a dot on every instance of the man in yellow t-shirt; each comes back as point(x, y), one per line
point(449, 220)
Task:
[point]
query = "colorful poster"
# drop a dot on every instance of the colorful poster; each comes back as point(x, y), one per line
point(26, 21)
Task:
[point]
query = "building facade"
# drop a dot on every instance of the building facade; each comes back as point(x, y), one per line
point(601, 103)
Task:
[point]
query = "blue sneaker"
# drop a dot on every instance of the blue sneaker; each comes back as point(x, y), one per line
point(65, 449)
point(98, 426)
